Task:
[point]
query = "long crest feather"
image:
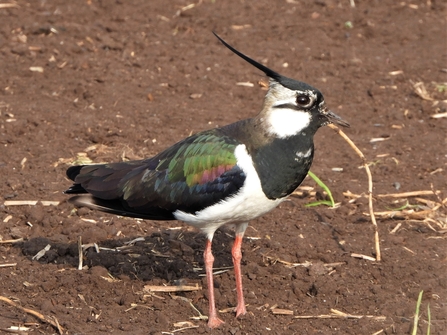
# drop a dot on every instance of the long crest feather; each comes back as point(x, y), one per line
point(270, 73)
point(283, 80)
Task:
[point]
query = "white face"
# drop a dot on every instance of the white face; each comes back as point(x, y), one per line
point(286, 122)
point(288, 115)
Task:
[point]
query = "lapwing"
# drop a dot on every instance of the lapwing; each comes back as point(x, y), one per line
point(227, 175)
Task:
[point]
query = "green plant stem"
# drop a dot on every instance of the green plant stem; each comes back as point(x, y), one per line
point(416, 314)
point(330, 203)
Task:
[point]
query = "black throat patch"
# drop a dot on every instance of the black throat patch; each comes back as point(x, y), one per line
point(283, 164)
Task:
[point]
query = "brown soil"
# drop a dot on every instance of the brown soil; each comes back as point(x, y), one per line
point(126, 79)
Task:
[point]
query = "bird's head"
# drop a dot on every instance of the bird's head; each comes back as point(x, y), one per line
point(290, 106)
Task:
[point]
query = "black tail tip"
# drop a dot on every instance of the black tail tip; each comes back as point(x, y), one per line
point(75, 189)
point(73, 171)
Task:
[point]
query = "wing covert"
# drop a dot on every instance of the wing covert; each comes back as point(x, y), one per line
point(189, 176)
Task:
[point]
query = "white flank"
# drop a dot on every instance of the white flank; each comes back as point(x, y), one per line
point(284, 122)
point(249, 203)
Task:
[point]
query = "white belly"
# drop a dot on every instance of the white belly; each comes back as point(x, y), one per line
point(249, 203)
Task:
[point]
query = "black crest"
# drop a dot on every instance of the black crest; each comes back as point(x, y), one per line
point(291, 84)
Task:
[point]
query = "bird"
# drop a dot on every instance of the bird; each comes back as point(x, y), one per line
point(221, 176)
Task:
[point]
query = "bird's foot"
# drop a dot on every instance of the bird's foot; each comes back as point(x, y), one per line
point(240, 310)
point(214, 321)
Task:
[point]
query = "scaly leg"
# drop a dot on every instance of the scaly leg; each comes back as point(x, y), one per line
point(213, 319)
point(237, 256)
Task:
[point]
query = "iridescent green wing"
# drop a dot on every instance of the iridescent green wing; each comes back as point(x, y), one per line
point(189, 176)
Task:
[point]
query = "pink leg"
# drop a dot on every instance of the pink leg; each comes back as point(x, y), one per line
point(213, 319)
point(237, 256)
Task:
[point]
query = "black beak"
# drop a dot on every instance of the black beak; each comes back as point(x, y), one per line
point(334, 118)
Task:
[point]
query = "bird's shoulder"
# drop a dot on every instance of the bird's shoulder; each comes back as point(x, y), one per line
point(199, 158)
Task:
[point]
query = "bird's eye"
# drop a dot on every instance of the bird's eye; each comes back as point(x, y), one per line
point(303, 100)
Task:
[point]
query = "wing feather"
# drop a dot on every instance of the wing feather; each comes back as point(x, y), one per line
point(191, 175)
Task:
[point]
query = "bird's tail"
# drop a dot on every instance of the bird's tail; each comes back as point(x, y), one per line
point(117, 208)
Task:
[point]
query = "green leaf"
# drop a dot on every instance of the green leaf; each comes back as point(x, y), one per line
point(330, 203)
point(318, 203)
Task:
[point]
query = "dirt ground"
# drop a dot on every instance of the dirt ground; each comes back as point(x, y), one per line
point(100, 81)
